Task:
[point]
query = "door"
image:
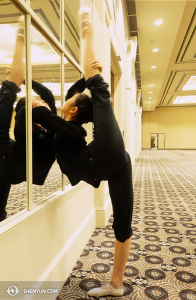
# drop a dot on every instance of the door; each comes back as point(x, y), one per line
point(161, 141)
point(154, 140)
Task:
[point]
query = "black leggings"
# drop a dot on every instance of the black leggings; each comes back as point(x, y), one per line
point(109, 159)
point(7, 98)
point(4, 193)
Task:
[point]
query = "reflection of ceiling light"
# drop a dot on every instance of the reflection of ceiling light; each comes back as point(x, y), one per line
point(2, 54)
point(190, 85)
point(158, 22)
point(185, 99)
point(54, 87)
point(155, 50)
point(153, 67)
point(41, 50)
point(149, 97)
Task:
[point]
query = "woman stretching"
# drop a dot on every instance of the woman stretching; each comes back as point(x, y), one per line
point(104, 158)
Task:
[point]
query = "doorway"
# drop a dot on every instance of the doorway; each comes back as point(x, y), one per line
point(158, 141)
point(154, 140)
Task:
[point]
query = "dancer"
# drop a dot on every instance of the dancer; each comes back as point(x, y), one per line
point(104, 158)
point(13, 152)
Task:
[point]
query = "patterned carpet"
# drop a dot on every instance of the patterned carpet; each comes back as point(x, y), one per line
point(18, 194)
point(162, 260)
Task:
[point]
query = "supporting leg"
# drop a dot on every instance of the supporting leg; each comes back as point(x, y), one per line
point(121, 254)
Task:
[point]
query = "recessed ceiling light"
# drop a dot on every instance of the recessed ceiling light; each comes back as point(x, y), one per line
point(158, 22)
point(185, 99)
point(151, 85)
point(190, 85)
point(155, 50)
point(149, 97)
point(150, 92)
point(153, 67)
point(149, 102)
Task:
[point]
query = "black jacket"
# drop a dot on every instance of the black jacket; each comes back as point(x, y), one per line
point(14, 159)
point(70, 144)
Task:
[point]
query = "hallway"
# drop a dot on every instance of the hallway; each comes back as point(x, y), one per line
point(162, 261)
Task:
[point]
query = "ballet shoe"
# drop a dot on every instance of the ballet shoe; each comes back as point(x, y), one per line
point(85, 16)
point(109, 291)
point(21, 25)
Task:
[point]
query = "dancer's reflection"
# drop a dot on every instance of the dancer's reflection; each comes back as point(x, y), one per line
point(13, 152)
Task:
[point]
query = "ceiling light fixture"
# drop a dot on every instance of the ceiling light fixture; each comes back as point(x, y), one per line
point(149, 102)
point(150, 92)
point(185, 99)
point(158, 22)
point(149, 97)
point(151, 85)
point(155, 50)
point(190, 85)
point(153, 67)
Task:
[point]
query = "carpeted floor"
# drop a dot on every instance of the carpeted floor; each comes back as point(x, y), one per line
point(162, 260)
point(17, 200)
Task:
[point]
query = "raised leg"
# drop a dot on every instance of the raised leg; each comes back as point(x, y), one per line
point(86, 31)
point(17, 67)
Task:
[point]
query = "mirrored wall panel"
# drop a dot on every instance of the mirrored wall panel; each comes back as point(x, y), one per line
point(46, 89)
point(13, 189)
point(49, 12)
point(72, 33)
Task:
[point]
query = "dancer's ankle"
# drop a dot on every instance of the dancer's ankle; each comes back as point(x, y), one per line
point(116, 284)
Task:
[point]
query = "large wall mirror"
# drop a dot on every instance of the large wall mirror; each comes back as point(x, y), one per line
point(45, 85)
point(71, 28)
point(45, 66)
point(49, 12)
point(17, 196)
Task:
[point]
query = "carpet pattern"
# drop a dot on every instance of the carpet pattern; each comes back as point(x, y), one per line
point(162, 259)
point(17, 200)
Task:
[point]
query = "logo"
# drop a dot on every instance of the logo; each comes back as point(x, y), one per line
point(13, 290)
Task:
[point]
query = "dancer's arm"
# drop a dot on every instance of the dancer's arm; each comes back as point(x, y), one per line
point(45, 94)
point(77, 87)
point(68, 130)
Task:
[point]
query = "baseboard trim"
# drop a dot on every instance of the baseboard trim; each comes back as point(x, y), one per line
point(47, 275)
point(103, 214)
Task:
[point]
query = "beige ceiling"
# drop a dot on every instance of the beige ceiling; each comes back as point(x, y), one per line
point(176, 59)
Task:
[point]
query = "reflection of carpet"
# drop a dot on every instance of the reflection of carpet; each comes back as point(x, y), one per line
point(185, 152)
point(18, 199)
point(162, 260)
